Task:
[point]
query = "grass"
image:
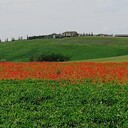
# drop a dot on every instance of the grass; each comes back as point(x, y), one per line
point(110, 59)
point(79, 48)
point(113, 59)
point(38, 104)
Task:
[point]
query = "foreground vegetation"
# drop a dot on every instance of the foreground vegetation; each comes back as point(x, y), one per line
point(79, 48)
point(31, 104)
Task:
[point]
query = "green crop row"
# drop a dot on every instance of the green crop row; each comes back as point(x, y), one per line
point(50, 104)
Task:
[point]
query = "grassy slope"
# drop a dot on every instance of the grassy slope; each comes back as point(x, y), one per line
point(79, 48)
point(110, 59)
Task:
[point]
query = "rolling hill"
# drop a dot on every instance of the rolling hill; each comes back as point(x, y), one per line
point(79, 48)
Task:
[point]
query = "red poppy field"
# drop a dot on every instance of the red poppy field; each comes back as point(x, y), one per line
point(96, 72)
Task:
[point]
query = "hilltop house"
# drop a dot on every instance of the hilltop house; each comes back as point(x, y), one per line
point(104, 35)
point(121, 35)
point(70, 34)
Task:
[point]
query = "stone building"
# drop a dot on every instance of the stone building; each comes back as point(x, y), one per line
point(70, 34)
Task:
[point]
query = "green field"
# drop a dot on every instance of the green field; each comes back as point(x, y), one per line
point(110, 59)
point(46, 104)
point(79, 48)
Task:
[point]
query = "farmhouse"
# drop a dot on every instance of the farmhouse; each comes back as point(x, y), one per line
point(70, 34)
point(104, 35)
point(121, 35)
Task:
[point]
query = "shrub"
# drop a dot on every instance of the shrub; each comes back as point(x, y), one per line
point(49, 57)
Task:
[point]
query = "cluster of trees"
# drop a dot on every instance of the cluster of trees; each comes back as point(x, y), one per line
point(53, 57)
point(55, 36)
point(13, 39)
point(35, 37)
point(45, 36)
point(87, 34)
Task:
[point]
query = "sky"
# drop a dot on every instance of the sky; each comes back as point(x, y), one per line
point(39, 17)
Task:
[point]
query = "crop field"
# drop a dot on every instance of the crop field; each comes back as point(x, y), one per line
point(46, 104)
point(64, 95)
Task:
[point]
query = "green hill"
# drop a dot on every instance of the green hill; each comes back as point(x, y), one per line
point(79, 48)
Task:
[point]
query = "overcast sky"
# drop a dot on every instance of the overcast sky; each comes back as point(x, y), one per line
point(34, 17)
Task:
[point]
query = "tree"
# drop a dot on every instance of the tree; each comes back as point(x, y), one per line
point(49, 57)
